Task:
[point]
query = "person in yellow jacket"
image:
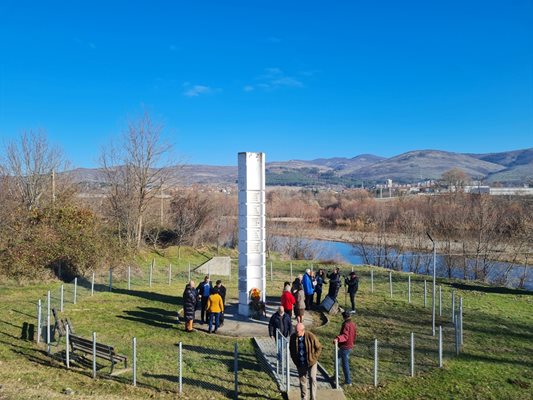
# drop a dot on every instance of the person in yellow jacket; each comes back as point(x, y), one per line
point(215, 306)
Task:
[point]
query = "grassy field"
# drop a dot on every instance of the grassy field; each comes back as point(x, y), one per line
point(496, 362)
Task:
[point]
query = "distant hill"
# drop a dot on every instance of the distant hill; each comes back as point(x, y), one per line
point(421, 165)
point(512, 167)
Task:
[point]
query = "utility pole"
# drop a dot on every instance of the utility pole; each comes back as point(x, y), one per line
point(161, 210)
point(434, 278)
point(53, 186)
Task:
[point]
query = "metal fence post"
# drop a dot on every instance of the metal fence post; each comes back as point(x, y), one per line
point(236, 369)
point(409, 289)
point(440, 300)
point(425, 292)
point(291, 273)
point(461, 320)
point(129, 277)
point(75, 289)
point(94, 355)
point(48, 321)
point(440, 346)
point(412, 354)
point(39, 323)
point(110, 279)
point(180, 369)
point(372, 280)
point(453, 305)
point(61, 295)
point(92, 285)
point(375, 362)
point(456, 324)
point(390, 283)
point(134, 344)
point(277, 352)
point(67, 346)
point(288, 364)
point(336, 365)
point(151, 271)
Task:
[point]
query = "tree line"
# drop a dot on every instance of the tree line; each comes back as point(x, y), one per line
point(48, 229)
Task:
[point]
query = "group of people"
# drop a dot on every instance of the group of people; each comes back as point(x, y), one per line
point(210, 299)
point(299, 296)
point(305, 348)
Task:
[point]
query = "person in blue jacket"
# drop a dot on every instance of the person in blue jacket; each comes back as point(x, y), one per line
point(309, 290)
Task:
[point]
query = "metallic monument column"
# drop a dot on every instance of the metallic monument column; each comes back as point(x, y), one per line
point(252, 259)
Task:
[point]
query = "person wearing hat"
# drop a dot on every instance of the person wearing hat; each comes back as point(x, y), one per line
point(352, 282)
point(346, 341)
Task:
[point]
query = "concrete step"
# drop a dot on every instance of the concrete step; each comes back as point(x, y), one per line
point(267, 349)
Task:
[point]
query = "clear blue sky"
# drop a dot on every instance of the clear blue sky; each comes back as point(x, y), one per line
point(297, 80)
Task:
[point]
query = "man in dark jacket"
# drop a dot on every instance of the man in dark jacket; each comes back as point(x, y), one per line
point(222, 292)
point(346, 341)
point(352, 282)
point(282, 321)
point(305, 350)
point(320, 280)
point(334, 283)
point(204, 290)
point(190, 297)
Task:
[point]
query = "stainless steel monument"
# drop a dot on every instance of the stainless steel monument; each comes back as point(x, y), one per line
point(252, 259)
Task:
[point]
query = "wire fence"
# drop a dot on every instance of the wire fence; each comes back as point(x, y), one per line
point(235, 361)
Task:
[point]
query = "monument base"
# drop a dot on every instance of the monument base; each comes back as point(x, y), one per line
point(244, 310)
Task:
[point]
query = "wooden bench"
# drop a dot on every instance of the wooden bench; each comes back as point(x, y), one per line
point(79, 344)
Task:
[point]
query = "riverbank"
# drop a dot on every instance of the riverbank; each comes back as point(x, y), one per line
point(503, 252)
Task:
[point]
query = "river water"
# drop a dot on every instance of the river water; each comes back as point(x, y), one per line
point(500, 273)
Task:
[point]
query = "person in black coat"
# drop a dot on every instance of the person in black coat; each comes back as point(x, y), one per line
point(222, 292)
point(190, 297)
point(334, 283)
point(320, 279)
point(282, 321)
point(204, 290)
point(352, 282)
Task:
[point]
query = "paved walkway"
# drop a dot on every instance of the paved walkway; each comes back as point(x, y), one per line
point(236, 325)
point(267, 347)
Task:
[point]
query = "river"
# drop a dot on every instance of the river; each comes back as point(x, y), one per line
point(500, 273)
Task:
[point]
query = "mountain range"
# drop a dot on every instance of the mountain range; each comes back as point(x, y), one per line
point(509, 168)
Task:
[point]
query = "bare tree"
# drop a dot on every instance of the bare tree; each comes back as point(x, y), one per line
point(30, 163)
point(135, 172)
point(189, 212)
point(455, 178)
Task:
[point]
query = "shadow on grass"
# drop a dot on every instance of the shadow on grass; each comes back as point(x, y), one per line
point(152, 316)
point(245, 361)
point(152, 296)
point(197, 383)
point(56, 361)
point(491, 289)
point(22, 313)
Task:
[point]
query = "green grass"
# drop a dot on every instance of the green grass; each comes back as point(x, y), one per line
point(496, 362)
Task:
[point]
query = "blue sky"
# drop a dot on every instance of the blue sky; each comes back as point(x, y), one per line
point(297, 80)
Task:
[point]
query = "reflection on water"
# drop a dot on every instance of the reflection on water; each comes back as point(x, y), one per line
point(499, 273)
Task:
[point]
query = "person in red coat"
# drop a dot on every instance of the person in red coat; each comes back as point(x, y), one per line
point(287, 300)
point(346, 341)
